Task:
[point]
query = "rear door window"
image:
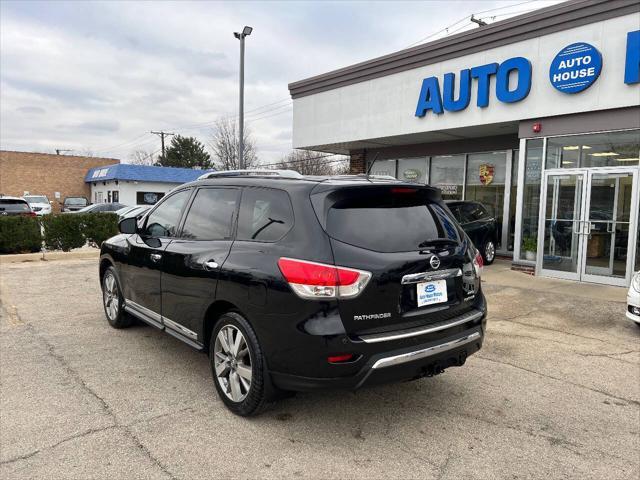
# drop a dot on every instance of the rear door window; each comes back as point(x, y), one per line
point(211, 214)
point(389, 219)
point(266, 215)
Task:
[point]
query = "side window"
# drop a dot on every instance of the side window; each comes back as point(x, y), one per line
point(457, 213)
point(266, 215)
point(211, 214)
point(475, 212)
point(163, 221)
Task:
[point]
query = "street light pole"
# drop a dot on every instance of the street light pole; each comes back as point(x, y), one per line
point(246, 31)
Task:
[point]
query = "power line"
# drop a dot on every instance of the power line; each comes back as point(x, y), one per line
point(446, 29)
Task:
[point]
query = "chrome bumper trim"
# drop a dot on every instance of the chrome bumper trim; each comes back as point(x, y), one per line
point(414, 332)
point(425, 352)
point(429, 276)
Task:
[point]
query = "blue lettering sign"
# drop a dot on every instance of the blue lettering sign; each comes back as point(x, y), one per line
point(483, 74)
point(518, 65)
point(632, 60)
point(575, 68)
point(430, 98)
point(464, 95)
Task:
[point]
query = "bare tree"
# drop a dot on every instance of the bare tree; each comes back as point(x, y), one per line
point(224, 144)
point(141, 157)
point(314, 163)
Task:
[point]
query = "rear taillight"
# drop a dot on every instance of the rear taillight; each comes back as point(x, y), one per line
point(317, 280)
point(478, 264)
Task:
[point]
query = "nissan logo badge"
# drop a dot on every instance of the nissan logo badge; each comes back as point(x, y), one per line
point(435, 262)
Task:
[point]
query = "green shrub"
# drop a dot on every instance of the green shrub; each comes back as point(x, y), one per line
point(97, 227)
point(20, 235)
point(529, 244)
point(63, 232)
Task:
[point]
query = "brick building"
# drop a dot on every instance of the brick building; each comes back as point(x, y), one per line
point(56, 176)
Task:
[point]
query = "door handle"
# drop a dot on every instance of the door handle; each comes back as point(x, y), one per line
point(210, 265)
point(155, 257)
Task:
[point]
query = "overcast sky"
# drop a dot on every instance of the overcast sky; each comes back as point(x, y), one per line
point(92, 76)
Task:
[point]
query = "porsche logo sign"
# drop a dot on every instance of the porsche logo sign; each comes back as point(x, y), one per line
point(486, 173)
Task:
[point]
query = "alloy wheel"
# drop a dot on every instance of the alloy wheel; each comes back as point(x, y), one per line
point(490, 251)
point(232, 363)
point(110, 296)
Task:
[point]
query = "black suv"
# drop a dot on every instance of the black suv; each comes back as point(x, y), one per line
point(295, 283)
point(481, 227)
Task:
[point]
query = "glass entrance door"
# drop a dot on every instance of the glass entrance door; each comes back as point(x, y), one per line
point(561, 244)
point(610, 212)
point(587, 223)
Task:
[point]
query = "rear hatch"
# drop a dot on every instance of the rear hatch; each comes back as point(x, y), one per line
point(419, 258)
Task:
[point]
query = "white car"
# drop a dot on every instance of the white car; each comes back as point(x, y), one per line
point(633, 299)
point(39, 204)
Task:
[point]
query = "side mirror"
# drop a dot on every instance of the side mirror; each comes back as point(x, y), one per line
point(128, 225)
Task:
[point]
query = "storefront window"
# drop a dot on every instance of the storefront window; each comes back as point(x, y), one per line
point(486, 173)
point(531, 199)
point(413, 169)
point(637, 268)
point(384, 167)
point(612, 149)
point(447, 174)
point(513, 199)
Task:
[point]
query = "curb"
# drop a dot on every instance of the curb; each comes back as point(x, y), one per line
point(47, 256)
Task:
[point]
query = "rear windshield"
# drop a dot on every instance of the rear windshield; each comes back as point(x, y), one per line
point(75, 201)
point(14, 205)
point(389, 219)
point(36, 199)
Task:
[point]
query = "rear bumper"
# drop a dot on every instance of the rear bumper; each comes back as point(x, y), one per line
point(395, 365)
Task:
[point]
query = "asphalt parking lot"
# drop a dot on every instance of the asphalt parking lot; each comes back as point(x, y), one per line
point(555, 393)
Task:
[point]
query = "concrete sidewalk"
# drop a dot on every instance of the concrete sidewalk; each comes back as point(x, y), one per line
point(500, 275)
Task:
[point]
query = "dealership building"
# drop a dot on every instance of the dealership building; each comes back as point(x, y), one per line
point(537, 117)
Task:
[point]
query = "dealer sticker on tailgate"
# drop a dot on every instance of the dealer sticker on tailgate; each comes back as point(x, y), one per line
point(432, 292)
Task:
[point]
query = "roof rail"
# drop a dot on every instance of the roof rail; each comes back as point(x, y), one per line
point(258, 172)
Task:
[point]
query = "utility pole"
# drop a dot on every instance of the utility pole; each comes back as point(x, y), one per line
point(162, 135)
point(246, 31)
point(58, 150)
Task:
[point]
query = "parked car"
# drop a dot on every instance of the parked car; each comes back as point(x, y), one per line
point(373, 282)
point(73, 204)
point(40, 204)
point(134, 211)
point(15, 206)
point(101, 208)
point(633, 299)
point(481, 227)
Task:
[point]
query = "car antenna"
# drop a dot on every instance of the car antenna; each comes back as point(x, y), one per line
point(371, 164)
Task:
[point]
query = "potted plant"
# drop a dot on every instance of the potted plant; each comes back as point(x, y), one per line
point(529, 245)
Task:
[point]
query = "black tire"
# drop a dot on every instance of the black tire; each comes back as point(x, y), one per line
point(488, 252)
point(114, 309)
point(260, 393)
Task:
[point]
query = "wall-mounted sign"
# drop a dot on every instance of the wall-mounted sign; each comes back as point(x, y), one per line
point(517, 67)
point(575, 68)
point(412, 174)
point(487, 172)
point(632, 59)
point(448, 189)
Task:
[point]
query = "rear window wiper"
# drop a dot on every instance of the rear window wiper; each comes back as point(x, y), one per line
point(438, 242)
